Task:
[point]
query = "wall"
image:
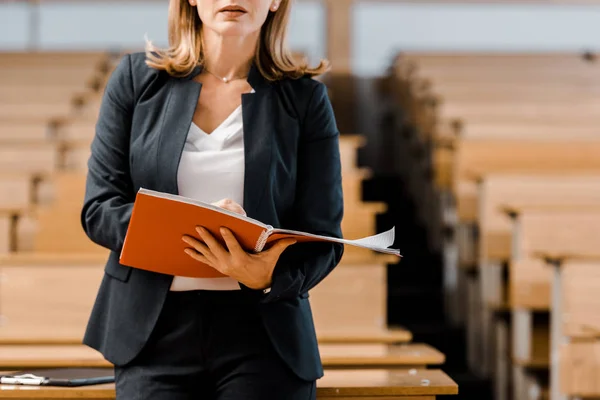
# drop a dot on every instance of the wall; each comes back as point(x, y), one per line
point(381, 29)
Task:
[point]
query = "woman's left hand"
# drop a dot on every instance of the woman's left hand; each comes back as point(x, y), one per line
point(253, 270)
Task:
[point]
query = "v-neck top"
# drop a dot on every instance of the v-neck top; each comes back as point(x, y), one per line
point(212, 168)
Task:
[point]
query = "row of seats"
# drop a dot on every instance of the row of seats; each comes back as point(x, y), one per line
point(51, 270)
point(515, 153)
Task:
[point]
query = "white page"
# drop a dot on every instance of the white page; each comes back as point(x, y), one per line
point(379, 242)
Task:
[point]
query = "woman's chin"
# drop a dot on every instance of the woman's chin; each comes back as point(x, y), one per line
point(233, 28)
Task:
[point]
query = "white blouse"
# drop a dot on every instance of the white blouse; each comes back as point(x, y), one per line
point(212, 168)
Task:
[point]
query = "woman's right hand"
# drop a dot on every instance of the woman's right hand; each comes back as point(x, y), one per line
point(230, 205)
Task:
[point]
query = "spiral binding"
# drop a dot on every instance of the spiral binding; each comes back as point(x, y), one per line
point(262, 241)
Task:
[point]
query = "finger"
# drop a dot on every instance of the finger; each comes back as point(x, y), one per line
point(238, 208)
point(234, 207)
point(197, 256)
point(232, 243)
point(221, 203)
point(195, 243)
point(231, 205)
point(199, 247)
point(215, 247)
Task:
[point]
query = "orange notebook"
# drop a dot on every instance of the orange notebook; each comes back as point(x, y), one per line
point(159, 220)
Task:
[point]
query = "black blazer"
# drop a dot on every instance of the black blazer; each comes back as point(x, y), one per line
point(292, 180)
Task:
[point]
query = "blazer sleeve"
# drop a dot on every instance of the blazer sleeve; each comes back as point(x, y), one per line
point(109, 194)
point(319, 204)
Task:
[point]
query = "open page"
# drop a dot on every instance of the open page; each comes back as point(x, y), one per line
point(380, 242)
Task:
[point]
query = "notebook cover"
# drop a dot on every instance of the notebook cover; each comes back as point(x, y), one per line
point(157, 225)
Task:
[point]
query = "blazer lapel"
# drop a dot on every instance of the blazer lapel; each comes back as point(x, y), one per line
point(257, 112)
point(181, 105)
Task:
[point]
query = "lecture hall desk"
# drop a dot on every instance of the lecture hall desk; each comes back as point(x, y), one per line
point(338, 385)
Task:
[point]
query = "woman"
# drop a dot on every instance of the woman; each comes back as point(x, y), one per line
point(226, 116)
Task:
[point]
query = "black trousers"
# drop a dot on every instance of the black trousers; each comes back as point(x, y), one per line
point(209, 345)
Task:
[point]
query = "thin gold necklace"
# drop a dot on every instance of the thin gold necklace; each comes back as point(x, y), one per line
point(223, 78)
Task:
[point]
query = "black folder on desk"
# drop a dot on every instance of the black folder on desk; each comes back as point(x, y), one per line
point(59, 377)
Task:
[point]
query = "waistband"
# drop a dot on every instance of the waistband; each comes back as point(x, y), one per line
point(215, 296)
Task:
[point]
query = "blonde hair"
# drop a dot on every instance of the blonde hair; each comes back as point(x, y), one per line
point(272, 57)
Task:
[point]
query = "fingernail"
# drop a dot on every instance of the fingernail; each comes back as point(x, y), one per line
point(199, 229)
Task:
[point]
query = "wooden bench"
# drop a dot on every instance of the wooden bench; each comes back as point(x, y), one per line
point(354, 295)
point(36, 157)
point(22, 190)
point(532, 111)
point(535, 130)
point(349, 146)
point(454, 79)
point(35, 111)
point(403, 356)
point(78, 129)
point(475, 158)
point(49, 75)
point(363, 336)
point(7, 234)
point(43, 156)
point(551, 232)
point(24, 130)
point(51, 222)
point(457, 91)
point(492, 245)
point(574, 339)
point(483, 108)
point(477, 73)
point(340, 385)
point(352, 184)
point(575, 327)
point(46, 298)
point(449, 72)
point(485, 156)
point(16, 229)
point(42, 94)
